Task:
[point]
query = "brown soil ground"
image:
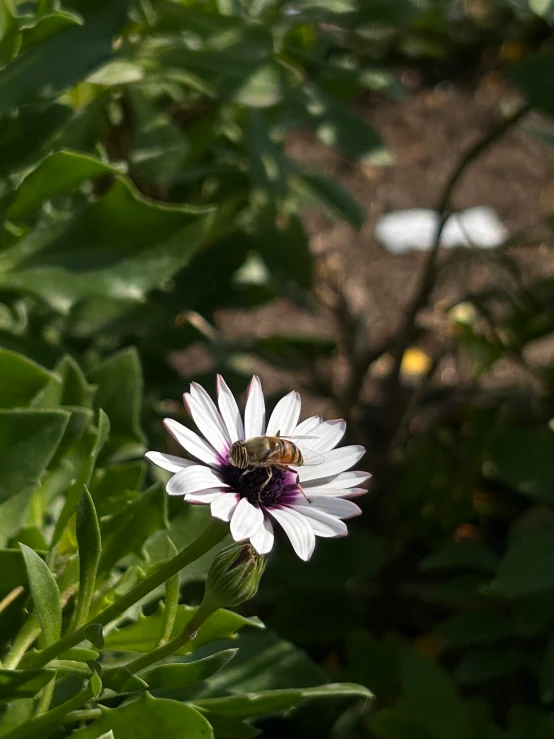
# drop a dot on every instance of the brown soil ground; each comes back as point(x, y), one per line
point(426, 135)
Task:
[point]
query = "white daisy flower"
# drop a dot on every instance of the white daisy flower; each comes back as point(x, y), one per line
point(306, 501)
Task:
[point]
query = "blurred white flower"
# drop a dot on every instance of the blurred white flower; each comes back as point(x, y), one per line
point(307, 501)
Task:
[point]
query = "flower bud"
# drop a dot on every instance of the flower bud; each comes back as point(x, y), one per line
point(234, 575)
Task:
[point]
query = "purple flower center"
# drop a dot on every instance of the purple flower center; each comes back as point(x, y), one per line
point(253, 484)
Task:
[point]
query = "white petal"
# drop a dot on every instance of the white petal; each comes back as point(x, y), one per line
point(336, 493)
point(193, 479)
point(229, 410)
point(246, 520)
point(323, 524)
point(307, 425)
point(285, 415)
point(349, 479)
point(262, 541)
point(337, 460)
point(206, 496)
point(298, 530)
point(254, 411)
point(335, 506)
point(224, 506)
point(212, 428)
point(328, 435)
point(192, 443)
point(168, 461)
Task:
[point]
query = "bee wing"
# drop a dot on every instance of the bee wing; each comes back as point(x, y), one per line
point(293, 438)
point(310, 457)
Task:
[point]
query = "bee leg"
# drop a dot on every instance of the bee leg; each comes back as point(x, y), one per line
point(288, 469)
point(269, 476)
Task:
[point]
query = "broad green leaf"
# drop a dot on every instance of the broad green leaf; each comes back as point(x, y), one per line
point(469, 555)
point(79, 654)
point(58, 173)
point(119, 394)
point(23, 683)
point(22, 137)
point(46, 595)
point(28, 440)
point(95, 440)
point(90, 548)
point(160, 149)
point(535, 78)
point(488, 663)
point(48, 24)
point(185, 674)
point(21, 379)
point(266, 160)
point(528, 566)
point(110, 483)
point(336, 200)
point(226, 727)
point(12, 566)
point(522, 458)
point(544, 8)
point(474, 627)
point(143, 635)
point(76, 391)
point(10, 36)
point(148, 717)
point(430, 697)
point(127, 532)
point(336, 126)
point(43, 70)
point(275, 701)
point(120, 246)
point(122, 680)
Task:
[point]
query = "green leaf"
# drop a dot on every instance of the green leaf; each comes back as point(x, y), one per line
point(335, 198)
point(21, 379)
point(127, 532)
point(12, 566)
point(336, 126)
point(90, 548)
point(79, 654)
point(122, 680)
point(75, 389)
point(172, 591)
point(58, 173)
point(293, 351)
point(23, 683)
point(544, 8)
point(48, 24)
point(143, 635)
point(160, 149)
point(535, 78)
point(490, 663)
point(528, 566)
point(266, 160)
point(119, 394)
point(230, 728)
point(44, 71)
point(275, 701)
point(119, 246)
point(28, 440)
point(522, 458)
point(430, 698)
point(183, 675)
point(46, 595)
point(22, 137)
point(110, 483)
point(469, 555)
point(10, 36)
point(95, 635)
point(93, 443)
point(148, 717)
point(474, 627)
point(286, 251)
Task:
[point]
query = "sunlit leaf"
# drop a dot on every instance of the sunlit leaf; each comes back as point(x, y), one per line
point(46, 595)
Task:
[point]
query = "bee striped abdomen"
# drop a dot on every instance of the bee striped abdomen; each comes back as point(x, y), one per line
point(238, 455)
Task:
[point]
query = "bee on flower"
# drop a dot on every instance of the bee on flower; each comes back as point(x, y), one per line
point(252, 474)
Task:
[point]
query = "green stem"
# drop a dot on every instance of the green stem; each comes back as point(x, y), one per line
point(188, 634)
point(215, 533)
point(55, 716)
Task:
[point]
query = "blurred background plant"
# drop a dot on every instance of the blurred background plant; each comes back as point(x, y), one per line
point(192, 187)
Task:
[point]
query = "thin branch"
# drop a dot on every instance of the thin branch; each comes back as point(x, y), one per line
point(421, 298)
